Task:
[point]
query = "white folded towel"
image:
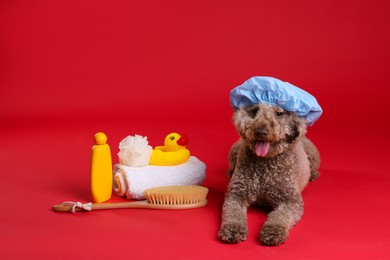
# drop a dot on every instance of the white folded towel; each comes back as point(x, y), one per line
point(133, 181)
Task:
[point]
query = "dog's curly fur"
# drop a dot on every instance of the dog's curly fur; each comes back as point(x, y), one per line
point(275, 179)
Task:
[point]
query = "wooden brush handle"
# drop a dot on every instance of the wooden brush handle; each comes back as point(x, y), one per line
point(127, 205)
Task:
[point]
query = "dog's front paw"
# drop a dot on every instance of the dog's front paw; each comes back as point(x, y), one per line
point(233, 233)
point(273, 235)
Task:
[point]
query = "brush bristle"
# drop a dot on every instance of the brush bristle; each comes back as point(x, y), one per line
point(176, 195)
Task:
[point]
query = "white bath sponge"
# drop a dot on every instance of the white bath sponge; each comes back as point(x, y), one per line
point(134, 151)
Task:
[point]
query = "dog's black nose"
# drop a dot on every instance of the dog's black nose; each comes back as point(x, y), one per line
point(261, 132)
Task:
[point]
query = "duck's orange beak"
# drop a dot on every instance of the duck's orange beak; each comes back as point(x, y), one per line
point(183, 140)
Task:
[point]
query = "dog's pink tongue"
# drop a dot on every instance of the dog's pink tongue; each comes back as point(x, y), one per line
point(262, 148)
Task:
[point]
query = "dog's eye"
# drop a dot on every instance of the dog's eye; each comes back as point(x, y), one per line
point(280, 113)
point(253, 112)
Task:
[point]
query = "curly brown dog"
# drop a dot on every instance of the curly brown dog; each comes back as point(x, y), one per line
point(270, 165)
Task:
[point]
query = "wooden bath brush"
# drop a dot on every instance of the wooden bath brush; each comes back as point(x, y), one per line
point(168, 197)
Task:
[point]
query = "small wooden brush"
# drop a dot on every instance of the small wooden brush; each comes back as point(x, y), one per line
point(168, 197)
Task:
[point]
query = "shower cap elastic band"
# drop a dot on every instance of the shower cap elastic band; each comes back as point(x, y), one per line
point(272, 91)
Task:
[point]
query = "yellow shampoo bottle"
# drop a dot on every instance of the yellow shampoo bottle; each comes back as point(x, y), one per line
point(101, 169)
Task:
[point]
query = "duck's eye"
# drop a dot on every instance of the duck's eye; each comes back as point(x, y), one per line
point(253, 112)
point(172, 138)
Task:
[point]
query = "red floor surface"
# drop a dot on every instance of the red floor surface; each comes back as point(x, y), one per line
point(71, 69)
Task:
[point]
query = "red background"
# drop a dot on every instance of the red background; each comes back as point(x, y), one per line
point(69, 69)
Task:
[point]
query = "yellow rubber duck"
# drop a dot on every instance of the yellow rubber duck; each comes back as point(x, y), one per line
point(173, 152)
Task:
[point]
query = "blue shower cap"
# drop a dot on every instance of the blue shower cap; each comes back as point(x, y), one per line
point(272, 91)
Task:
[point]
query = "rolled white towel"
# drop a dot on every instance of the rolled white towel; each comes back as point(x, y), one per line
point(133, 181)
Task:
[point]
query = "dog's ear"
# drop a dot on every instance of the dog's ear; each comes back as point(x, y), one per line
point(240, 119)
point(297, 127)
